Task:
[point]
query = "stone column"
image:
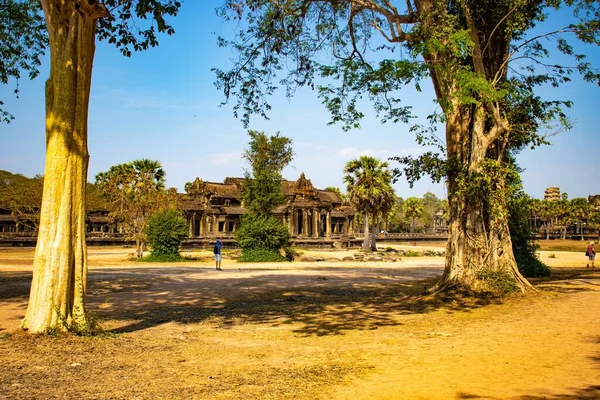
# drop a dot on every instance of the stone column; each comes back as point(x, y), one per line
point(191, 226)
point(215, 227)
point(328, 225)
point(315, 224)
point(304, 223)
point(202, 222)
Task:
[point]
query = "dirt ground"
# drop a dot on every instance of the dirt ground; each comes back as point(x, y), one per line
point(304, 330)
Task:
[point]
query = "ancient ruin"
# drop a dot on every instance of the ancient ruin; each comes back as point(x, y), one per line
point(215, 209)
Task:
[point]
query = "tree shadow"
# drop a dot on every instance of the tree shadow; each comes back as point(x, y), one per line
point(15, 285)
point(590, 392)
point(313, 304)
point(568, 280)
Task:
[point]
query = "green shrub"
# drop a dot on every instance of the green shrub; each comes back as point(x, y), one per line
point(262, 232)
point(261, 255)
point(524, 246)
point(164, 231)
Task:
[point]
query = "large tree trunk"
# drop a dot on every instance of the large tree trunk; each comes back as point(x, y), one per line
point(478, 234)
point(57, 297)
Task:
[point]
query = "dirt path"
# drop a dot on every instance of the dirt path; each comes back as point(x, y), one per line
point(305, 331)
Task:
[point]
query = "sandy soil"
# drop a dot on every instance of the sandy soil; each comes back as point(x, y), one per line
point(324, 330)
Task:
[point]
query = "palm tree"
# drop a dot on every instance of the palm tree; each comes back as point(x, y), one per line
point(580, 209)
point(413, 208)
point(369, 186)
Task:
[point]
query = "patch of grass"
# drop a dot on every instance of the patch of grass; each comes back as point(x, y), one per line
point(412, 253)
point(563, 245)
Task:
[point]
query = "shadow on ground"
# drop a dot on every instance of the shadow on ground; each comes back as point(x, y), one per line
point(314, 304)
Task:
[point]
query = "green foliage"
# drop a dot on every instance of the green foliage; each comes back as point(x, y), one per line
point(134, 191)
point(22, 44)
point(165, 231)
point(261, 255)
point(91, 327)
point(267, 155)
point(262, 232)
point(127, 32)
point(524, 246)
point(22, 195)
point(498, 281)
point(369, 186)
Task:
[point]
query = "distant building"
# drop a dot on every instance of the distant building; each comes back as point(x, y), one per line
point(215, 209)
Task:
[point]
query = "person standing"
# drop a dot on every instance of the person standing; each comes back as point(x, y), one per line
point(591, 253)
point(217, 251)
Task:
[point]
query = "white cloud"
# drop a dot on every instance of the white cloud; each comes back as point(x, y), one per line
point(226, 157)
point(352, 152)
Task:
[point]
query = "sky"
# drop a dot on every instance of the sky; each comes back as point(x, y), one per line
point(162, 104)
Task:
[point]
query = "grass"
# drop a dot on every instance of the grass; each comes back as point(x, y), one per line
point(563, 245)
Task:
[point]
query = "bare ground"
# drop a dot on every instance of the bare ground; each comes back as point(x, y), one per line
point(326, 330)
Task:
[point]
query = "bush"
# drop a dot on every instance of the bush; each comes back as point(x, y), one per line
point(165, 231)
point(262, 232)
point(261, 255)
point(524, 247)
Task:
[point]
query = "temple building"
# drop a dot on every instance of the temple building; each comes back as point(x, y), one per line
point(214, 209)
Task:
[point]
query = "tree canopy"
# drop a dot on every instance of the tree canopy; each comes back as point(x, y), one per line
point(134, 192)
point(485, 59)
point(261, 235)
point(369, 186)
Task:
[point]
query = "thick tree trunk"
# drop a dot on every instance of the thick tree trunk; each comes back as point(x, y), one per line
point(366, 240)
point(57, 297)
point(478, 234)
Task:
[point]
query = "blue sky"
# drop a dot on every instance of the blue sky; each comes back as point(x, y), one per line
point(162, 104)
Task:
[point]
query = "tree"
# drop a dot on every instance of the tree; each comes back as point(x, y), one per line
point(369, 187)
point(524, 246)
point(60, 262)
point(23, 196)
point(489, 106)
point(580, 209)
point(431, 205)
point(267, 155)
point(134, 192)
point(165, 231)
point(413, 208)
point(548, 212)
point(594, 220)
point(261, 235)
